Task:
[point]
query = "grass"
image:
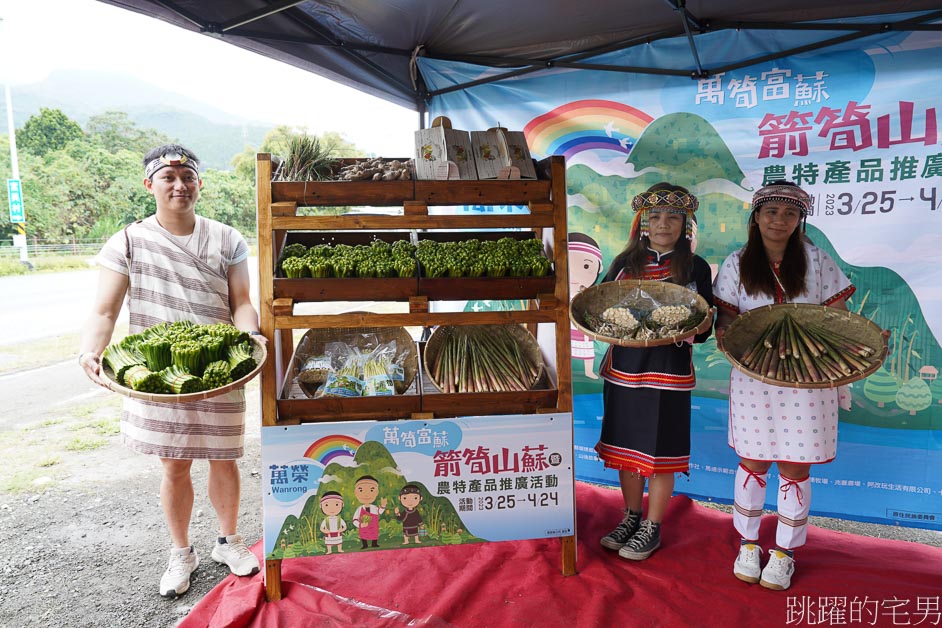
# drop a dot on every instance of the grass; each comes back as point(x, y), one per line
point(46, 451)
point(81, 443)
point(43, 264)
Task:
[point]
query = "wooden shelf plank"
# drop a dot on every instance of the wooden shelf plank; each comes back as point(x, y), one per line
point(383, 221)
point(519, 192)
point(321, 321)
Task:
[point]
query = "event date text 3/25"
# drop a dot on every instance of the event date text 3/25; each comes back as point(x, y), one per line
point(507, 502)
point(872, 202)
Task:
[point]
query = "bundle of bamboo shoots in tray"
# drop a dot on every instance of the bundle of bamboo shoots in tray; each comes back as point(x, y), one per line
point(804, 345)
point(483, 358)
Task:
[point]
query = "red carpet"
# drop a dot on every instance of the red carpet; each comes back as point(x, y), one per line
point(688, 582)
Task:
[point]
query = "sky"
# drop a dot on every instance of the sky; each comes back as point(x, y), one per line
point(48, 35)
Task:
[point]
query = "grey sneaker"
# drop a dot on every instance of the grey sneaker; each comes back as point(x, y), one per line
point(778, 572)
point(176, 580)
point(644, 542)
point(234, 553)
point(748, 564)
point(617, 538)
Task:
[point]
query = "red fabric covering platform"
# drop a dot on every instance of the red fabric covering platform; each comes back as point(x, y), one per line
point(688, 582)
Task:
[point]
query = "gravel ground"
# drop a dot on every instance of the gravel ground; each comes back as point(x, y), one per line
point(86, 544)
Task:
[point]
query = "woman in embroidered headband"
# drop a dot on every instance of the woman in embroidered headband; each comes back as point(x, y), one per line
point(174, 266)
point(646, 392)
point(794, 428)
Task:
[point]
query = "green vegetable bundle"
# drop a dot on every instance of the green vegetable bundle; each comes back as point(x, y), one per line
point(465, 258)
point(476, 258)
point(179, 382)
point(181, 357)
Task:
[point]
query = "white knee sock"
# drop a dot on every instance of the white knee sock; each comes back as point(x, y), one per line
point(748, 499)
point(794, 503)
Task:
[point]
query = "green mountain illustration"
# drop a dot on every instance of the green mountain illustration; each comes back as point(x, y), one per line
point(686, 150)
point(301, 535)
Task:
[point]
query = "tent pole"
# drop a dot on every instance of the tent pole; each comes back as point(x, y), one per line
point(682, 9)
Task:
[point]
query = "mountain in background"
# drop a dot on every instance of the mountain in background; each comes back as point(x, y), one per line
point(215, 135)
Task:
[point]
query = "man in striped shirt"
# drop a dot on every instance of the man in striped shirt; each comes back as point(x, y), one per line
point(174, 266)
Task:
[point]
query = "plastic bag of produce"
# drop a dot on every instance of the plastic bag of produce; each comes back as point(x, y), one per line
point(377, 378)
point(347, 381)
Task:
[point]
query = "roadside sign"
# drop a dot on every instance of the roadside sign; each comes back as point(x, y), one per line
point(15, 194)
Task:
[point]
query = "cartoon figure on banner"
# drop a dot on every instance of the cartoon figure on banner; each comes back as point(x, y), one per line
point(585, 266)
point(333, 526)
point(411, 519)
point(366, 516)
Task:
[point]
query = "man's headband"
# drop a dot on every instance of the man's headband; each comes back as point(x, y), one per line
point(170, 159)
point(788, 194)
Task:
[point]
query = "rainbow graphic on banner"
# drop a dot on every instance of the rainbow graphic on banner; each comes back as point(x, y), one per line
point(586, 125)
point(325, 450)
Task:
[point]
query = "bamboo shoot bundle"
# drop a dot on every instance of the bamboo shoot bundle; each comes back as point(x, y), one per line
point(788, 352)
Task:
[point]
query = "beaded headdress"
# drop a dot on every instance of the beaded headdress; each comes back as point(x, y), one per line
point(784, 192)
point(673, 201)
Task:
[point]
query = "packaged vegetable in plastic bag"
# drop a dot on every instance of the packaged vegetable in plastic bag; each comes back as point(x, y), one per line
point(377, 381)
point(346, 381)
point(314, 370)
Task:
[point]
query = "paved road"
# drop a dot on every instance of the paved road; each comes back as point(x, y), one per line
point(31, 395)
point(50, 304)
point(47, 304)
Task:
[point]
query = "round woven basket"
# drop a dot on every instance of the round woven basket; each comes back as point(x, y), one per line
point(748, 327)
point(314, 342)
point(529, 347)
point(596, 299)
point(260, 354)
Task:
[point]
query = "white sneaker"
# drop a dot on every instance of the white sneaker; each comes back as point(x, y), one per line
point(234, 553)
point(748, 566)
point(176, 580)
point(777, 574)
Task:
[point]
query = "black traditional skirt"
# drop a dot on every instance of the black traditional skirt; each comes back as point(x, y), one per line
point(645, 430)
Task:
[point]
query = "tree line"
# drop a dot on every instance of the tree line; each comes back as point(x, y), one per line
point(84, 184)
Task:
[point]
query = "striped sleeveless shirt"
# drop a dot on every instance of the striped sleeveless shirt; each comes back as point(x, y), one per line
point(174, 278)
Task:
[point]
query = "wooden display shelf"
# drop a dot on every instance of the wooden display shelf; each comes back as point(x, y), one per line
point(333, 289)
point(547, 297)
point(333, 409)
point(520, 192)
point(496, 288)
point(328, 409)
point(402, 289)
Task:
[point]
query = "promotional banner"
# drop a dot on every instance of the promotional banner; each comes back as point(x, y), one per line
point(368, 485)
point(857, 126)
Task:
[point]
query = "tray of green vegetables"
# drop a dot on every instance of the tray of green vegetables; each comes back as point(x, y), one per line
point(182, 361)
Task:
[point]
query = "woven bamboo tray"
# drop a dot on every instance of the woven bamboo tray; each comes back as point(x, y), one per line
point(525, 340)
point(314, 342)
point(747, 328)
point(596, 299)
point(260, 354)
